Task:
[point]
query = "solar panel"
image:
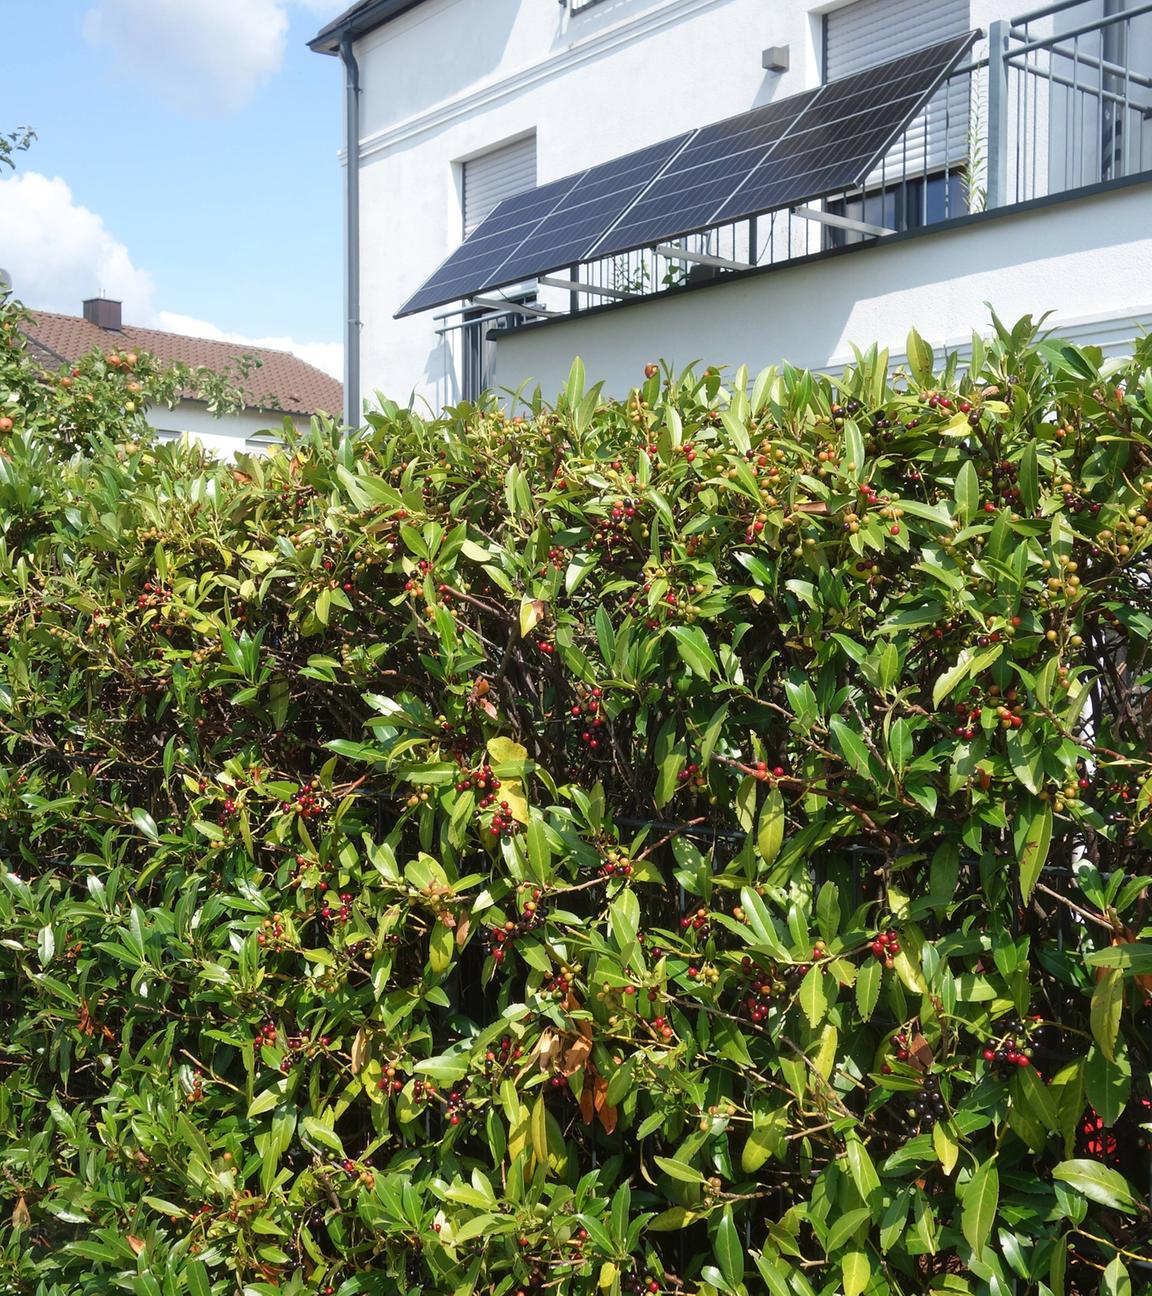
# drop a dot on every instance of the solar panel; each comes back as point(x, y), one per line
point(784, 153)
point(477, 261)
point(850, 124)
point(702, 175)
point(567, 235)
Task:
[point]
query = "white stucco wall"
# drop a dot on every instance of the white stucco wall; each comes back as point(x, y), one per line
point(1080, 259)
point(224, 436)
point(453, 78)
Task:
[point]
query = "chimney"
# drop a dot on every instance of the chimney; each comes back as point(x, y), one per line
point(103, 313)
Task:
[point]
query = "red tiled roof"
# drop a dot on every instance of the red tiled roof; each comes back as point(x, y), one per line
point(282, 382)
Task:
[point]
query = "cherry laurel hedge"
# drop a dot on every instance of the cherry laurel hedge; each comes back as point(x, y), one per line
point(691, 844)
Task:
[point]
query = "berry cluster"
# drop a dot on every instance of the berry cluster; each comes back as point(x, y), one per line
point(561, 983)
point(759, 990)
point(498, 939)
point(755, 527)
point(498, 1061)
point(1013, 1049)
point(691, 773)
point(900, 1048)
point(557, 557)
point(153, 596)
point(413, 585)
point(1095, 1140)
point(695, 924)
point(927, 1105)
point(885, 946)
point(502, 824)
point(616, 863)
point(296, 1047)
point(764, 774)
point(587, 714)
point(196, 1089)
point(309, 802)
point(272, 932)
point(482, 780)
point(612, 533)
point(454, 1103)
point(331, 914)
point(391, 1081)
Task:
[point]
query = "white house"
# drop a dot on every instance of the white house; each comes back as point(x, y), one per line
point(272, 383)
point(1010, 168)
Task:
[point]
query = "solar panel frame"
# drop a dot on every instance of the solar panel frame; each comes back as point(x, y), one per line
point(563, 223)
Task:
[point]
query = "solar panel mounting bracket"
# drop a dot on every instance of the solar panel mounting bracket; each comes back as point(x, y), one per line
point(576, 285)
point(701, 258)
point(841, 222)
point(513, 308)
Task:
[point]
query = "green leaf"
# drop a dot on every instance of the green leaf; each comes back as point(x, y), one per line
point(967, 491)
point(1033, 836)
point(770, 835)
point(1107, 1084)
point(196, 1278)
point(844, 1227)
point(694, 651)
point(981, 1198)
point(919, 358)
point(813, 995)
point(1100, 1184)
point(1104, 1015)
point(145, 824)
point(851, 747)
point(679, 1170)
point(856, 1271)
point(441, 945)
point(45, 944)
point(672, 1220)
point(728, 1249)
point(868, 982)
point(1135, 958)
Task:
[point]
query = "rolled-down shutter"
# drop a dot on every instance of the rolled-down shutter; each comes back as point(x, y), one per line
point(494, 176)
point(867, 32)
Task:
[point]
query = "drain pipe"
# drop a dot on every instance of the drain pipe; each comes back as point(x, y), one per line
point(352, 411)
point(1113, 122)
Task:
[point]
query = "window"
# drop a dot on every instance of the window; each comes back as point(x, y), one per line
point(496, 175)
point(911, 204)
point(921, 179)
point(867, 32)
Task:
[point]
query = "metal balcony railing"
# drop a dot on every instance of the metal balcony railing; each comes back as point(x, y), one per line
point(1058, 99)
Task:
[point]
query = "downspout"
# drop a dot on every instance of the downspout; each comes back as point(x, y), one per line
point(352, 410)
point(1114, 50)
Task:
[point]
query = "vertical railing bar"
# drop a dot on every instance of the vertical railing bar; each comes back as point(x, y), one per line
point(1035, 118)
point(1077, 135)
point(1124, 106)
point(1105, 161)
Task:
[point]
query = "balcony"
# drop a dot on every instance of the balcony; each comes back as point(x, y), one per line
point(1051, 106)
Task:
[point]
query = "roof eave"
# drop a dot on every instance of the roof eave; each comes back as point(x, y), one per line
point(358, 21)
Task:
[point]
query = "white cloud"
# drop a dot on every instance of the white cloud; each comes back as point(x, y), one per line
point(328, 356)
point(202, 57)
point(58, 252)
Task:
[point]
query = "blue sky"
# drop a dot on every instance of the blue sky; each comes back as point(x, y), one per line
point(186, 162)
